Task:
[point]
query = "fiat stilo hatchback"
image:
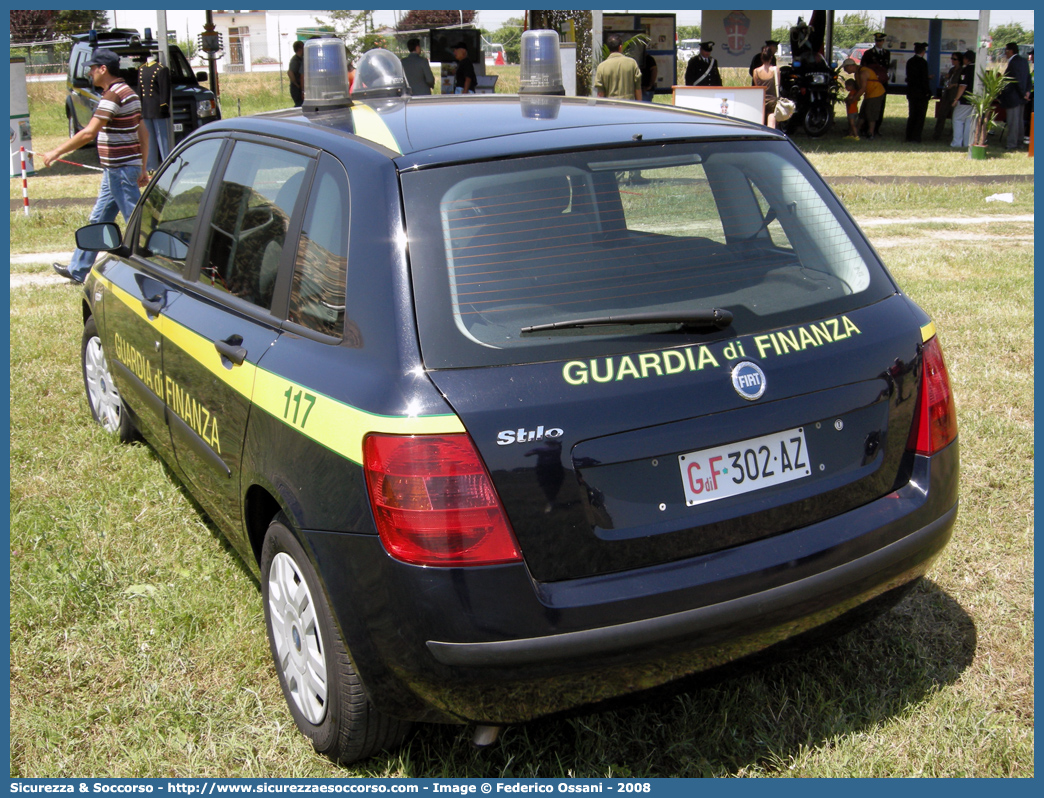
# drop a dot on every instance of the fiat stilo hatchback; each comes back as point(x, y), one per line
point(516, 404)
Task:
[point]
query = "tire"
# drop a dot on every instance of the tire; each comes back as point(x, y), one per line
point(325, 695)
point(817, 120)
point(103, 398)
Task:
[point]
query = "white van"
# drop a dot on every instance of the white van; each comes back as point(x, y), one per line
point(687, 48)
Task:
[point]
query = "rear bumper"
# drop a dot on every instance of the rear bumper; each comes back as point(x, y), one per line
point(717, 622)
point(492, 645)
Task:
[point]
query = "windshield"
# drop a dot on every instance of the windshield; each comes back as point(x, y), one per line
point(180, 71)
point(745, 227)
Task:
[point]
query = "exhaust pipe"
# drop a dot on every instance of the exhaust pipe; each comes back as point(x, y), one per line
point(485, 736)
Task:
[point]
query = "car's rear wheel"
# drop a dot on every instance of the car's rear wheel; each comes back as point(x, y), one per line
point(322, 689)
point(103, 398)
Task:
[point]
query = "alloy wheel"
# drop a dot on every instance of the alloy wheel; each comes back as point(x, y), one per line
point(301, 655)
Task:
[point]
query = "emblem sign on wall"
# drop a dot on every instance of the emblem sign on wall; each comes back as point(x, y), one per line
point(737, 35)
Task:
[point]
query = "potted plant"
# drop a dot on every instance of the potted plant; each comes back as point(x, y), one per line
point(639, 40)
point(991, 84)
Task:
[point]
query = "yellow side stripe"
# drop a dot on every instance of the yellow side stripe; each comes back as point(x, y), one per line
point(338, 426)
point(239, 378)
point(369, 125)
point(927, 332)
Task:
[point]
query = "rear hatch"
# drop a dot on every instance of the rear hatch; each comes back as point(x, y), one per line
point(647, 439)
point(651, 467)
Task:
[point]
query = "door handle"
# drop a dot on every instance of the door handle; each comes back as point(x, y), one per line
point(154, 304)
point(232, 349)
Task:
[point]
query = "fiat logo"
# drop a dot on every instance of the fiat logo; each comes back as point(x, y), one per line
point(749, 380)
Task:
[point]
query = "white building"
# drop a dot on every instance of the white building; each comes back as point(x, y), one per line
point(263, 40)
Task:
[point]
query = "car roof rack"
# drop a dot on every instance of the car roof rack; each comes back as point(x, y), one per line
point(122, 36)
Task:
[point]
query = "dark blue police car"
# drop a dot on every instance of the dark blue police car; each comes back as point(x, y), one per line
point(515, 404)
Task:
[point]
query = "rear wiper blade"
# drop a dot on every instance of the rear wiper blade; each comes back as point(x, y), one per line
point(709, 318)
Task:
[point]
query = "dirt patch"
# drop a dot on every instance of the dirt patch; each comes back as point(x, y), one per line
point(25, 280)
point(866, 221)
point(933, 181)
point(945, 235)
point(69, 202)
point(59, 202)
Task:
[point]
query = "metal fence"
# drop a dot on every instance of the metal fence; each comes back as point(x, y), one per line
point(44, 58)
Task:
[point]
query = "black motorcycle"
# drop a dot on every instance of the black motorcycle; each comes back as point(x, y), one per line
point(815, 90)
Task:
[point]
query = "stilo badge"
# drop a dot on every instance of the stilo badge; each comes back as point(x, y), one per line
point(749, 380)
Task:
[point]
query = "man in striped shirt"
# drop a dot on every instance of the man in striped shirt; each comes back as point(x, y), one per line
point(123, 151)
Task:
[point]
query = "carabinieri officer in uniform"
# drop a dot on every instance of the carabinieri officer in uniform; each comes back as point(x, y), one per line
point(702, 69)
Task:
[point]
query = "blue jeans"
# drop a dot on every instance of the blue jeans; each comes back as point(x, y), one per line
point(158, 147)
point(647, 96)
point(119, 194)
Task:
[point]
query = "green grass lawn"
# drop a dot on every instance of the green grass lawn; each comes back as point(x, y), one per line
point(137, 636)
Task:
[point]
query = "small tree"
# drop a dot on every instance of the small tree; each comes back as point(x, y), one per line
point(356, 29)
point(78, 21)
point(688, 32)
point(855, 29)
point(188, 47)
point(558, 20)
point(30, 25)
point(992, 83)
point(632, 44)
point(782, 34)
point(510, 35)
point(1014, 32)
point(429, 18)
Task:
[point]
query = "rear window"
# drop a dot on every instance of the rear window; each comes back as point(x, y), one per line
point(746, 227)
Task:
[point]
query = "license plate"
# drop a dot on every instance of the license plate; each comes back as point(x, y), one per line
point(178, 127)
point(712, 474)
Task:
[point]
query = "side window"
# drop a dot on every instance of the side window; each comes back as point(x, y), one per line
point(248, 228)
point(169, 210)
point(79, 70)
point(317, 296)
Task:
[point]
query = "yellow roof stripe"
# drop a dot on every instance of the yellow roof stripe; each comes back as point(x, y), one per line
point(331, 423)
point(369, 125)
point(927, 332)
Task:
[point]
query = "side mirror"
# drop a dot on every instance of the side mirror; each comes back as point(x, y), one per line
point(165, 245)
point(202, 76)
point(101, 237)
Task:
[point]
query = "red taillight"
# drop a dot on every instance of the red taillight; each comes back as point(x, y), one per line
point(434, 502)
point(936, 422)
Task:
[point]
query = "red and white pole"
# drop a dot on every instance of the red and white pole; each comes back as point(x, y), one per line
point(25, 185)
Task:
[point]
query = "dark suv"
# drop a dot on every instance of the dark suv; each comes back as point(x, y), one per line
point(514, 404)
point(191, 104)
